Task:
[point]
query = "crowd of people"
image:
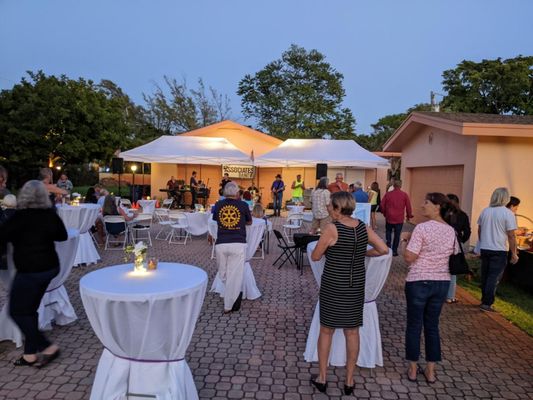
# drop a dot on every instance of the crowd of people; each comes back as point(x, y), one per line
point(31, 224)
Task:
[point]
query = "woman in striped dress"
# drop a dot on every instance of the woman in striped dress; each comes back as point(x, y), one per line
point(342, 288)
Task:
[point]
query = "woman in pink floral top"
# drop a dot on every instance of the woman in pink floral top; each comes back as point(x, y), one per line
point(428, 252)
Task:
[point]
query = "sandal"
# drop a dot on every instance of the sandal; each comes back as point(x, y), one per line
point(22, 362)
point(451, 301)
point(419, 370)
point(427, 380)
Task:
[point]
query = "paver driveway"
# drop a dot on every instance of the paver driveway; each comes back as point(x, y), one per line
point(257, 353)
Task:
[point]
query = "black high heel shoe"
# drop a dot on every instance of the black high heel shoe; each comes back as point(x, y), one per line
point(348, 390)
point(322, 387)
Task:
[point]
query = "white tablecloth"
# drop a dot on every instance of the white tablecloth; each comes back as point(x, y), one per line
point(82, 218)
point(254, 235)
point(370, 352)
point(362, 212)
point(295, 209)
point(147, 205)
point(55, 304)
point(145, 323)
point(197, 222)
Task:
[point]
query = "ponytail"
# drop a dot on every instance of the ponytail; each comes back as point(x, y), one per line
point(447, 209)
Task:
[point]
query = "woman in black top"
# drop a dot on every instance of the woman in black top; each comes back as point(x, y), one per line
point(32, 230)
point(460, 222)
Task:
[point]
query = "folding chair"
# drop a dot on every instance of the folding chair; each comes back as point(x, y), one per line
point(142, 225)
point(287, 250)
point(115, 225)
point(161, 215)
point(167, 203)
point(125, 202)
point(178, 227)
point(294, 223)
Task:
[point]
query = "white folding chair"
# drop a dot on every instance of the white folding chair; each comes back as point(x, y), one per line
point(294, 224)
point(167, 203)
point(115, 226)
point(125, 203)
point(161, 215)
point(141, 228)
point(178, 227)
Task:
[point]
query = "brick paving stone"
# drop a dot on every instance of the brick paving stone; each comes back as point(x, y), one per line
point(258, 352)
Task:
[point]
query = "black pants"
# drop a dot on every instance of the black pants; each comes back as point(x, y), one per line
point(389, 229)
point(26, 293)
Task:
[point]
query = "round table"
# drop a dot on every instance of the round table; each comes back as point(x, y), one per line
point(82, 218)
point(55, 304)
point(254, 234)
point(370, 351)
point(197, 222)
point(147, 205)
point(145, 322)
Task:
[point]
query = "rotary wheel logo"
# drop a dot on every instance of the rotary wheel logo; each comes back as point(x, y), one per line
point(229, 216)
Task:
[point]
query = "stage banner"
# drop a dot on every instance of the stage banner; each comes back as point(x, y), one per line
point(239, 171)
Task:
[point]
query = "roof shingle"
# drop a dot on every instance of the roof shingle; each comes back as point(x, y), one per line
point(478, 118)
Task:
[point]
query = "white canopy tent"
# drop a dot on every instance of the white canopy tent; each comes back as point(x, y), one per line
point(309, 152)
point(187, 150)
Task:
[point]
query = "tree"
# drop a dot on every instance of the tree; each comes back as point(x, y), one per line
point(299, 95)
point(385, 127)
point(490, 86)
point(185, 109)
point(56, 118)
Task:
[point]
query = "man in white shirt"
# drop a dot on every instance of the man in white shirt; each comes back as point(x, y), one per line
point(496, 226)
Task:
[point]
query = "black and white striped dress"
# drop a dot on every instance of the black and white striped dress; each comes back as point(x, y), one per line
point(342, 288)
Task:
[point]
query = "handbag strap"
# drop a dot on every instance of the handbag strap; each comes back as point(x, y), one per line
point(460, 245)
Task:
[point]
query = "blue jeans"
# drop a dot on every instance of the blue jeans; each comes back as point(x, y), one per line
point(424, 304)
point(278, 200)
point(451, 289)
point(397, 228)
point(493, 264)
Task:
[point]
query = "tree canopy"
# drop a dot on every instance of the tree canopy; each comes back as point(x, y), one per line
point(385, 127)
point(490, 86)
point(183, 109)
point(299, 95)
point(47, 117)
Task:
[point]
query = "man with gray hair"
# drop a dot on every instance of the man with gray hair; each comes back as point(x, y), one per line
point(359, 194)
point(232, 216)
point(338, 185)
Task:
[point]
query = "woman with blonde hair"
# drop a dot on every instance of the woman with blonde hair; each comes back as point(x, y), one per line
point(32, 230)
point(342, 287)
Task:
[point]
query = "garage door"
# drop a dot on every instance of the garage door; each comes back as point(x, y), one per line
point(445, 179)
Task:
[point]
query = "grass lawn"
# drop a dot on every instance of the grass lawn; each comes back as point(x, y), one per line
point(513, 303)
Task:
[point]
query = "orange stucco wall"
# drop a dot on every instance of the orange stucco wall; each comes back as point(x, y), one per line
point(503, 162)
point(432, 147)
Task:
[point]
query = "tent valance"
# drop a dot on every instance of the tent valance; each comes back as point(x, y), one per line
point(309, 152)
point(187, 150)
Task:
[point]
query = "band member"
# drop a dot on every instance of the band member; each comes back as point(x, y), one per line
point(223, 183)
point(298, 188)
point(193, 184)
point(277, 194)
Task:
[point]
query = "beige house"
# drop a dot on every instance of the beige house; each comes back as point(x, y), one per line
point(469, 155)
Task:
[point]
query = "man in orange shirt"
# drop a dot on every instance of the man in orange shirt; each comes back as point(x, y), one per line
point(338, 185)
